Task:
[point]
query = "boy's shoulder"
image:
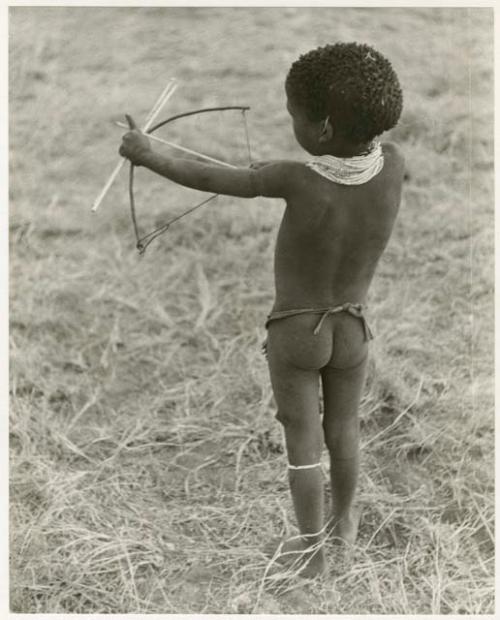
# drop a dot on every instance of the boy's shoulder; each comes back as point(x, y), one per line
point(394, 151)
point(278, 166)
point(287, 177)
point(278, 178)
point(394, 163)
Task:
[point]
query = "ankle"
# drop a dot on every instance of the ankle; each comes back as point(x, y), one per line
point(311, 540)
point(341, 517)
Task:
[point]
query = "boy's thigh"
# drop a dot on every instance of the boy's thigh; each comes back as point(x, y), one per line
point(343, 378)
point(342, 390)
point(295, 388)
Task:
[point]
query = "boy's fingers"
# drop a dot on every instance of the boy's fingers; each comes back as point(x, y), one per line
point(131, 123)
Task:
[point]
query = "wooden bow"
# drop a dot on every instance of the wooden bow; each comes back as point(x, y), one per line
point(145, 240)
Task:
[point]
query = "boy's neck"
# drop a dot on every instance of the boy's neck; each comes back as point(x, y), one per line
point(339, 147)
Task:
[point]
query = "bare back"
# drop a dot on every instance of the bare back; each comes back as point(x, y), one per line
point(332, 236)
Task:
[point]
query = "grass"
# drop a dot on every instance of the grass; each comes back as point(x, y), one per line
point(147, 470)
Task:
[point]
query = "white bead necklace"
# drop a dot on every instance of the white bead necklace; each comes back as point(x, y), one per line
point(350, 170)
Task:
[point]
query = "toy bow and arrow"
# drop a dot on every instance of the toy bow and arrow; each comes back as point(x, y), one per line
point(148, 129)
point(145, 240)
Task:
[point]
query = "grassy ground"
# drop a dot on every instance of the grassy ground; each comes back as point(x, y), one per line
point(147, 470)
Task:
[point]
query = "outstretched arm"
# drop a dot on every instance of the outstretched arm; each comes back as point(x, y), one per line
point(271, 180)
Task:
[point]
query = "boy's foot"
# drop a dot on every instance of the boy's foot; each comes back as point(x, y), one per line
point(297, 556)
point(345, 529)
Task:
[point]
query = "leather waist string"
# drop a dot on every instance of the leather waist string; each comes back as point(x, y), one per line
point(355, 310)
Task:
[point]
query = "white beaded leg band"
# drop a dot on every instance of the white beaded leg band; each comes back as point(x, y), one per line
point(304, 466)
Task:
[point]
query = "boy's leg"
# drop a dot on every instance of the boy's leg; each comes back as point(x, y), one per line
point(342, 389)
point(296, 392)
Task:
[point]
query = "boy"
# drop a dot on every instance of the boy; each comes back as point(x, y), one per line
point(340, 209)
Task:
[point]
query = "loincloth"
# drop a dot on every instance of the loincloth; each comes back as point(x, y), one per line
point(356, 310)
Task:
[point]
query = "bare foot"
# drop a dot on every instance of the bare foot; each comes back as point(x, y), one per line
point(345, 529)
point(296, 555)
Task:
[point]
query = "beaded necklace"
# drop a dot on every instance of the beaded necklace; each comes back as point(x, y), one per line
point(350, 170)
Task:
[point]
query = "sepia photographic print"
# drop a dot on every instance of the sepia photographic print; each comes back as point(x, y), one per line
point(251, 309)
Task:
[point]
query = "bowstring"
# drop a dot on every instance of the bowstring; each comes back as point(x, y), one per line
point(144, 241)
point(247, 135)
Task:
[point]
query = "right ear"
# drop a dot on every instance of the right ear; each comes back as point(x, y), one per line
point(326, 131)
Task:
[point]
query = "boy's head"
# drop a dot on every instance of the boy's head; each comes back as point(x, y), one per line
point(351, 84)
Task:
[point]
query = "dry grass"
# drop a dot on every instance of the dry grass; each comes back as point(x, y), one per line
point(147, 470)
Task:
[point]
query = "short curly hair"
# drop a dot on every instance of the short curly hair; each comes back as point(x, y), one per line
point(350, 82)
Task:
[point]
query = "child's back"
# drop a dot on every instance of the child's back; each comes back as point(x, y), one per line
point(332, 235)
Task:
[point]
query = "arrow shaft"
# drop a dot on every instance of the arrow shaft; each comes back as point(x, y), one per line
point(167, 92)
